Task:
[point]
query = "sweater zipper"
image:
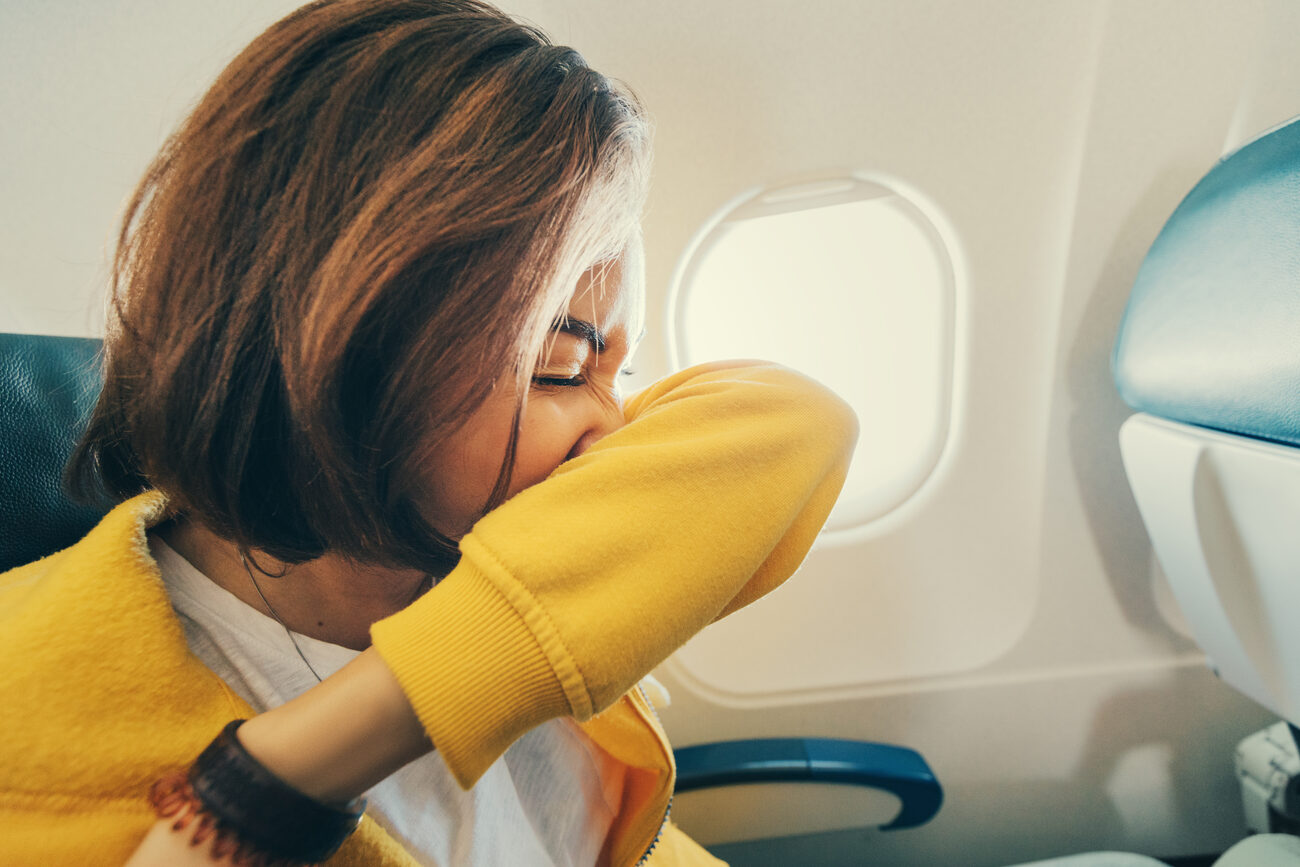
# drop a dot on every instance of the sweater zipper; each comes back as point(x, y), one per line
point(663, 823)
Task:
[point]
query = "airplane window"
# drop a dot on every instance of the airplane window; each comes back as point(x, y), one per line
point(850, 282)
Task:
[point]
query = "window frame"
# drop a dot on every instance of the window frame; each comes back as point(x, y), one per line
point(821, 191)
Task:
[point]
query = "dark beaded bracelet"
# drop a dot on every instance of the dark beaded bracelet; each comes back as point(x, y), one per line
point(250, 808)
point(173, 798)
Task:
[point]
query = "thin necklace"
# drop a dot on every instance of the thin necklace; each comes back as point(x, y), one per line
point(283, 625)
point(420, 587)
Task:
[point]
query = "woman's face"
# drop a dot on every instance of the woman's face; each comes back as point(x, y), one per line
point(575, 399)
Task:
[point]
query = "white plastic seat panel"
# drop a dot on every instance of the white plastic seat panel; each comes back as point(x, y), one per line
point(1263, 850)
point(1221, 512)
point(1099, 859)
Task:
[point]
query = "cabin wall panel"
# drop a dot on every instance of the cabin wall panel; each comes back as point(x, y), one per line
point(92, 89)
point(905, 90)
point(1004, 621)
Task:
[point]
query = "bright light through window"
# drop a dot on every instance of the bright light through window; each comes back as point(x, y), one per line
point(858, 294)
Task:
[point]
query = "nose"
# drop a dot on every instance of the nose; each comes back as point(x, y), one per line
point(607, 417)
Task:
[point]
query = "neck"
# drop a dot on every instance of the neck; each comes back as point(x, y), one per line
point(329, 598)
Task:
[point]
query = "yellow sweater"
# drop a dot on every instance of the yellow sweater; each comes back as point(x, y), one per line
point(564, 598)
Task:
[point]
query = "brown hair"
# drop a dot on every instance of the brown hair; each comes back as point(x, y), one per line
point(373, 216)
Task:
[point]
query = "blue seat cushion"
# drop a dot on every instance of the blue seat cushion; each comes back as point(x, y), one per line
point(1211, 335)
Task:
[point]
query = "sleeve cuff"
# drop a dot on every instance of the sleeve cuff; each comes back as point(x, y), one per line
point(472, 670)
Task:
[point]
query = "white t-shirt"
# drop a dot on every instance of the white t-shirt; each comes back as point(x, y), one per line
point(549, 801)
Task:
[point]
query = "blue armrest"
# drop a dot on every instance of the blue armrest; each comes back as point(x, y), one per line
point(897, 770)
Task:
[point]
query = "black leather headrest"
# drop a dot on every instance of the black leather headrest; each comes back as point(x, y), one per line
point(47, 388)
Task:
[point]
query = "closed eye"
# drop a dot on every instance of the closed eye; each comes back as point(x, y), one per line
point(559, 381)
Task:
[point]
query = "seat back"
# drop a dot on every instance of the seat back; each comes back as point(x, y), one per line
point(47, 388)
point(1209, 353)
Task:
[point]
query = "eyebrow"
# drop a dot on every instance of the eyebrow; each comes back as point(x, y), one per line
point(582, 329)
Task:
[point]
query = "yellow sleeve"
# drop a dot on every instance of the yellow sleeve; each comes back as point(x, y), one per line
point(570, 592)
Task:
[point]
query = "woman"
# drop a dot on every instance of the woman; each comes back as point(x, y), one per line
point(371, 306)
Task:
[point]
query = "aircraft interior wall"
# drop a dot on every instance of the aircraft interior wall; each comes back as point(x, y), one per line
point(1006, 617)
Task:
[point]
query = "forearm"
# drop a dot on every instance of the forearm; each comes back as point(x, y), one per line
point(337, 740)
point(574, 589)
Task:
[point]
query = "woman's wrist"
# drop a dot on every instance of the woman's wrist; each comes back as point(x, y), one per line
point(231, 800)
point(285, 786)
point(340, 738)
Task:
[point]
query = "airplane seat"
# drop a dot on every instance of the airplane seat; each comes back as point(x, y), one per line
point(1208, 353)
point(48, 386)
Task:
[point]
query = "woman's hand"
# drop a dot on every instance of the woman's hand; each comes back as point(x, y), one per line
point(163, 847)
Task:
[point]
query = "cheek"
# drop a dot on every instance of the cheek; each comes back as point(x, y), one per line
point(465, 469)
point(547, 434)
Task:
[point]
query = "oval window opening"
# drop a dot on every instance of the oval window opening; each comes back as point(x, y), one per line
point(848, 281)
